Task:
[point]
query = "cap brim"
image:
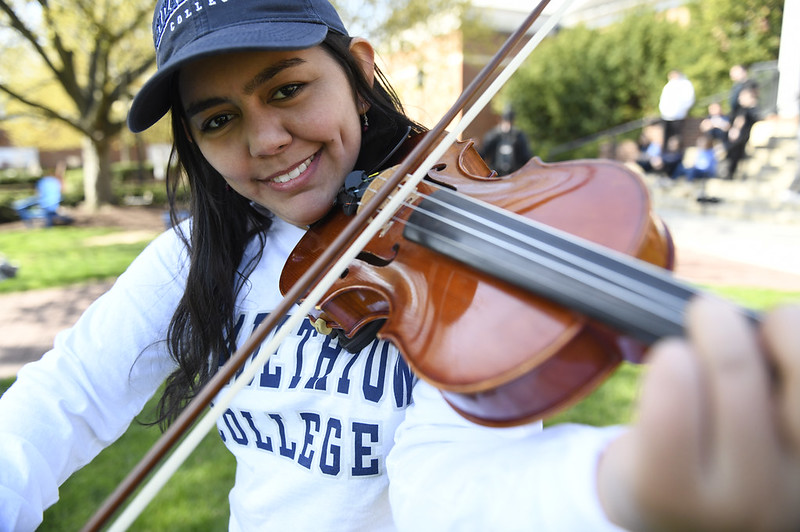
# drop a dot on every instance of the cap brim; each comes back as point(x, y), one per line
point(152, 101)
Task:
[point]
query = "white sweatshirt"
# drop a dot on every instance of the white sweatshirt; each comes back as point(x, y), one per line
point(324, 439)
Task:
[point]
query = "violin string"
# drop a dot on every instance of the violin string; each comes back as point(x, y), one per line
point(573, 282)
point(640, 294)
point(567, 283)
point(565, 257)
point(584, 263)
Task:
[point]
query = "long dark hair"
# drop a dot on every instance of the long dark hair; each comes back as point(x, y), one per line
point(223, 223)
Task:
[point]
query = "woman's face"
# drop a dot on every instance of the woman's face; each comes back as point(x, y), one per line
point(283, 128)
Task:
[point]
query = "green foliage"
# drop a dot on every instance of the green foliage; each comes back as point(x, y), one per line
point(76, 66)
point(742, 31)
point(583, 81)
point(725, 33)
point(129, 179)
point(12, 176)
point(74, 59)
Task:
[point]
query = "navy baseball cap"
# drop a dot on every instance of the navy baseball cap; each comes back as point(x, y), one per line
point(186, 30)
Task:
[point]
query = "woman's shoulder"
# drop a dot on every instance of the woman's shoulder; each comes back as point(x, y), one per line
point(173, 241)
point(165, 257)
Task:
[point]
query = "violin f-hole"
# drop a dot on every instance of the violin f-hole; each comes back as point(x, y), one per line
point(378, 260)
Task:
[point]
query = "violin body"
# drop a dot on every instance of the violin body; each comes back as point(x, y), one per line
point(499, 355)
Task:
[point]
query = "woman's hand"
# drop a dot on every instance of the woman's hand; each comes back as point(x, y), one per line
point(717, 442)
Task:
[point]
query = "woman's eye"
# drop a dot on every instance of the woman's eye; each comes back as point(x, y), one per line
point(215, 122)
point(287, 91)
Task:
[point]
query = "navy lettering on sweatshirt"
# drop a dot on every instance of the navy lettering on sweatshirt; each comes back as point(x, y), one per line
point(319, 445)
point(320, 374)
point(374, 374)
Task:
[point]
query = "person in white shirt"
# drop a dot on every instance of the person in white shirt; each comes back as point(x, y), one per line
point(677, 99)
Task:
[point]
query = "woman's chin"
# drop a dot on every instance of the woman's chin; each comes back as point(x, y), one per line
point(310, 215)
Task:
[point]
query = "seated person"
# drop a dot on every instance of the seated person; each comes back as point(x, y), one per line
point(650, 157)
point(716, 124)
point(705, 162)
point(46, 202)
point(663, 161)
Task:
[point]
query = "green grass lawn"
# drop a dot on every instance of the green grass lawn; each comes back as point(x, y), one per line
point(66, 255)
point(196, 497)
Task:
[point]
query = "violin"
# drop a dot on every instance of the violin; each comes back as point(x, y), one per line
point(514, 295)
point(449, 301)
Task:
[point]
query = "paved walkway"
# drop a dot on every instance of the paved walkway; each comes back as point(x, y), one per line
point(30, 320)
point(710, 252)
point(722, 251)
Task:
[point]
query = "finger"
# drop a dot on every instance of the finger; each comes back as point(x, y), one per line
point(739, 403)
point(781, 332)
point(669, 426)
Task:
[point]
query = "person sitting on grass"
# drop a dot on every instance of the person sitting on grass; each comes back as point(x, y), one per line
point(705, 162)
point(46, 203)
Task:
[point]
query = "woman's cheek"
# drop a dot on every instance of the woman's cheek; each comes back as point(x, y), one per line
point(227, 165)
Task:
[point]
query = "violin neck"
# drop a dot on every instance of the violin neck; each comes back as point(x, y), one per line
point(636, 298)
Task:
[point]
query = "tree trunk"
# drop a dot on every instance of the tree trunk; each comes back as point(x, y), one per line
point(96, 173)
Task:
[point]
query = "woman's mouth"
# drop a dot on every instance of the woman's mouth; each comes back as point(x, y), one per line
point(296, 171)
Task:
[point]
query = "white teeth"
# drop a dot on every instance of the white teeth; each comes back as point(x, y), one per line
point(283, 178)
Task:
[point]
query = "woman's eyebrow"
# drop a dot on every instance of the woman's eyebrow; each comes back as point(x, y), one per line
point(249, 88)
point(269, 73)
point(202, 105)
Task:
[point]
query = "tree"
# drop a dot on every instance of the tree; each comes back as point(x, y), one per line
point(726, 33)
point(90, 53)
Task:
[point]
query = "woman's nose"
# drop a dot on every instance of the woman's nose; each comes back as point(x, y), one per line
point(267, 135)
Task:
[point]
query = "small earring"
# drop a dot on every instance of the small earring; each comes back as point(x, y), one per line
point(364, 122)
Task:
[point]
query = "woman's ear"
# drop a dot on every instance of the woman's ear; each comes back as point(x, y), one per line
point(363, 52)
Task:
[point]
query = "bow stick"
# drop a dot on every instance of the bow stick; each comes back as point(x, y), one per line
point(352, 239)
